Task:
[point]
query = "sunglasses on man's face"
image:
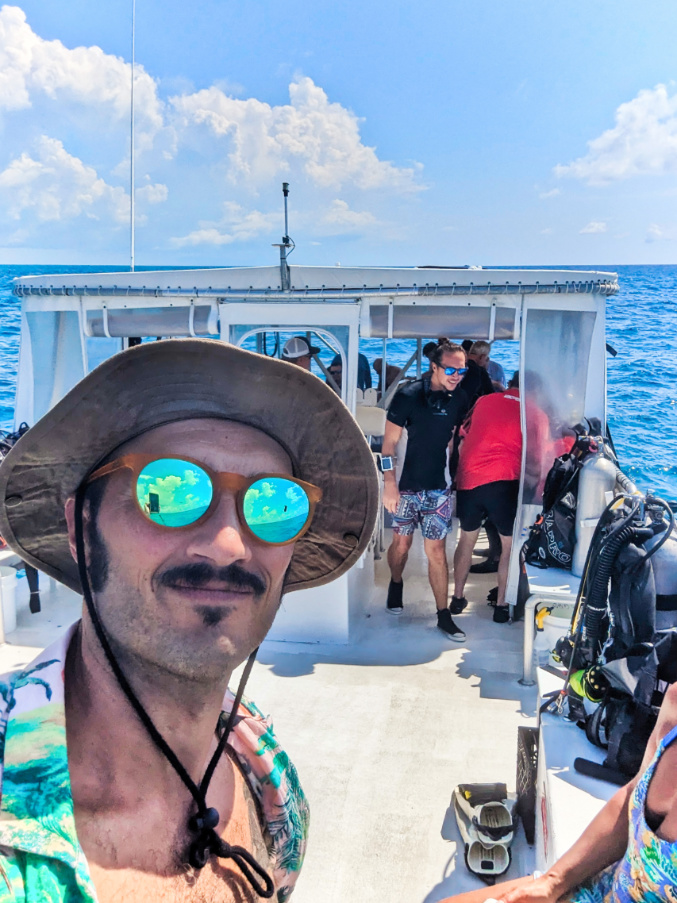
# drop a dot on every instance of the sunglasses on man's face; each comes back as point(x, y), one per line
point(179, 492)
point(451, 370)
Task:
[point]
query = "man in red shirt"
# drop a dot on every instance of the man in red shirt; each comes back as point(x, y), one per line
point(487, 483)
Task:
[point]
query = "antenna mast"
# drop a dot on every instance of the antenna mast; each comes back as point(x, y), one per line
point(286, 246)
point(131, 150)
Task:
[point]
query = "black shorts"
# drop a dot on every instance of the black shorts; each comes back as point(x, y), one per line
point(497, 501)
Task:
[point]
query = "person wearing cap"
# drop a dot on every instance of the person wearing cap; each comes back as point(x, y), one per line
point(182, 487)
point(299, 351)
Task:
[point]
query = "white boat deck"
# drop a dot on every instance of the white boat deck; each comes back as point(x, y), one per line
point(381, 731)
point(59, 608)
point(569, 800)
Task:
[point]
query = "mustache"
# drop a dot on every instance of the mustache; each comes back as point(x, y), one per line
point(203, 574)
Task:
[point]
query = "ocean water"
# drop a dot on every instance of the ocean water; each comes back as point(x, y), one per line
point(642, 378)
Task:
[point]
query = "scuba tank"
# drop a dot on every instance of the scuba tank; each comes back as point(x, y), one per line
point(597, 477)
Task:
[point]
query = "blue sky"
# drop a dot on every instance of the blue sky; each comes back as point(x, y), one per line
point(493, 132)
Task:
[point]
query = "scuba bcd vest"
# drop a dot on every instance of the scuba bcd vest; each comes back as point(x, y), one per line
point(552, 538)
point(621, 639)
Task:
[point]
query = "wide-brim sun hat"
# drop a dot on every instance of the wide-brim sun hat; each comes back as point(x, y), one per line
point(178, 379)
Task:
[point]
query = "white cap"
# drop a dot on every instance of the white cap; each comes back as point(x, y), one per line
point(298, 346)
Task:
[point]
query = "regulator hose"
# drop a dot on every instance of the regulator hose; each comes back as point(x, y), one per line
point(598, 538)
point(592, 596)
point(651, 501)
point(597, 597)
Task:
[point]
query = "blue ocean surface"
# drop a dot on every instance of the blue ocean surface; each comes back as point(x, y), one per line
point(280, 530)
point(642, 378)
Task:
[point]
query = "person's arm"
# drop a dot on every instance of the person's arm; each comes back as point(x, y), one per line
point(605, 840)
point(487, 383)
point(498, 377)
point(391, 494)
point(458, 434)
point(601, 844)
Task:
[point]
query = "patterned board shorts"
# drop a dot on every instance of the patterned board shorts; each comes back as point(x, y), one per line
point(431, 509)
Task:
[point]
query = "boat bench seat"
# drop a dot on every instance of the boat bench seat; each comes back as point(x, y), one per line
point(370, 419)
point(10, 559)
point(552, 582)
point(546, 585)
point(566, 800)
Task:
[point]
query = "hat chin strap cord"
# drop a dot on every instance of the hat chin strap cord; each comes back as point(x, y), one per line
point(204, 822)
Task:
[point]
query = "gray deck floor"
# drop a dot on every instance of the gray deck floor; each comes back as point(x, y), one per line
point(380, 731)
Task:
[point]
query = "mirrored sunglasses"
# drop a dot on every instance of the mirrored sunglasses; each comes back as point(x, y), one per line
point(180, 492)
point(451, 370)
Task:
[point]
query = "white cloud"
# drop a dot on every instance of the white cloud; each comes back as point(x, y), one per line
point(64, 157)
point(266, 141)
point(32, 68)
point(643, 141)
point(659, 233)
point(206, 236)
point(549, 194)
point(235, 225)
point(340, 218)
point(19, 237)
point(56, 186)
point(594, 228)
point(152, 194)
point(546, 231)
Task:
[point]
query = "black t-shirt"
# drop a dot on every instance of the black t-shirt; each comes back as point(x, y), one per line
point(430, 418)
point(476, 382)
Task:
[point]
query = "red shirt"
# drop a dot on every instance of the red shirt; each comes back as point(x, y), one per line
point(492, 441)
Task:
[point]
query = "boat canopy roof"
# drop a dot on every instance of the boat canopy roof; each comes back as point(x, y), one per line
point(320, 281)
point(402, 302)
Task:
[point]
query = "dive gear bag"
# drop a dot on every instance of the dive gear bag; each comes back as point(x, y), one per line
point(552, 538)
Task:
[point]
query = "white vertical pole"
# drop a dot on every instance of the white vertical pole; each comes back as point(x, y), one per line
point(131, 168)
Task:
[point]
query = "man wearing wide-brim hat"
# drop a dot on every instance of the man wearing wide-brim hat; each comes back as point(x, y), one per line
point(182, 487)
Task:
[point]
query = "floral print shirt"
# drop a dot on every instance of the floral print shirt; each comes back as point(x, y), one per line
point(648, 871)
point(41, 860)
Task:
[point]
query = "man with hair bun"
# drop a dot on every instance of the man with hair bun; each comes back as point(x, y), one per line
point(431, 409)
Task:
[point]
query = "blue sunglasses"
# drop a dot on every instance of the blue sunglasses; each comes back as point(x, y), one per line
point(451, 370)
point(179, 492)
